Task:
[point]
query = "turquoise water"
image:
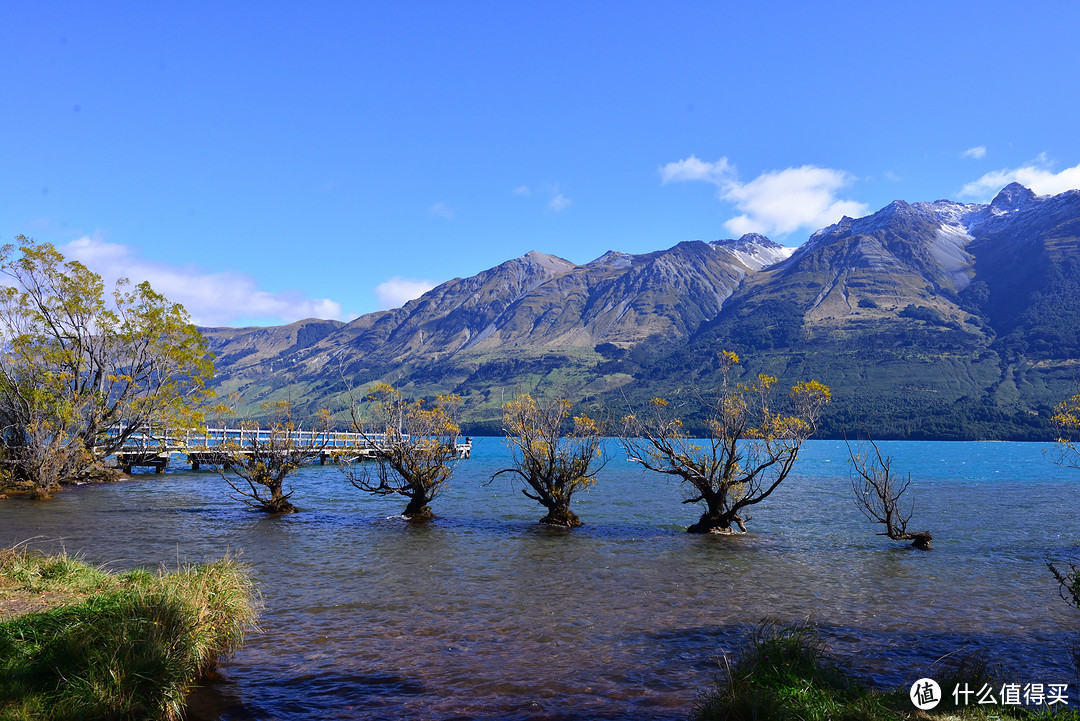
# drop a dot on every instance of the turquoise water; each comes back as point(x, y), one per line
point(484, 614)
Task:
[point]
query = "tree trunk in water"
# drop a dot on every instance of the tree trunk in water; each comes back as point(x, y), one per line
point(279, 503)
point(716, 522)
point(418, 509)
point(42, 494)
point(919, 540)
point(561, 515)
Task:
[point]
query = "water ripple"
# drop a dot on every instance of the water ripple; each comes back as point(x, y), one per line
point(484, 614)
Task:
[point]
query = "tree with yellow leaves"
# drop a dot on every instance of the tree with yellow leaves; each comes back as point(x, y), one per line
point(747, 451)
point(82, 369)
point(256, 462)
point(415, 446)
point(1066, 420)
point(554, 455)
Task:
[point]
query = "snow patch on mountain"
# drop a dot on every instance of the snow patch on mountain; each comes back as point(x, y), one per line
point(551, 263)
point(759, 257)
point(753, 250)
point(615, 259)
point(949, 250)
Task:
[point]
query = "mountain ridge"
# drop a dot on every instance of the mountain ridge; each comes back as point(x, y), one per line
point(968, 291)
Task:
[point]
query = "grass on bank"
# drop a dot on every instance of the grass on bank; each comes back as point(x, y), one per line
point(127, 646)
point(784, 674)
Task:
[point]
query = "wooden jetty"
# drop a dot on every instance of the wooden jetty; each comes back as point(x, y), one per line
point(212, 446)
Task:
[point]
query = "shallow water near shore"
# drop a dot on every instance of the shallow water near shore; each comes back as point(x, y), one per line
point(483, 614)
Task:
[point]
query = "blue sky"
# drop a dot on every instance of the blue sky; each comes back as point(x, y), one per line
point(267, 162)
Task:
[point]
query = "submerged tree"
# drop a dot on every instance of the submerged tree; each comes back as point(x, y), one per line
point(553, 454)
point(746, 452)
point(256, 462)
point(877, 495)
point(77, 362)
point(415, 447)
point(1068, 582)
point(1066, 420)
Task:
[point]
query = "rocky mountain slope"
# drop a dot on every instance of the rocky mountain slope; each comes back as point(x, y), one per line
point(513, 322)
point(928, 319)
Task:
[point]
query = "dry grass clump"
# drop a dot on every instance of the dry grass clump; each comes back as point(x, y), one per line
point(129, 646)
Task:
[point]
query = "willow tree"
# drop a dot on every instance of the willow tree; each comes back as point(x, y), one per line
point(1066, 420)
point(747, 450)
point(257, 460)
point(414, 446)
point(554, 454)
point(81, 370)
point(878, 495)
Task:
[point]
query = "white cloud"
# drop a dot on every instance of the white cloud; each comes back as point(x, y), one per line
point(782, 201)
point(211, 299)
point(693, 168)
point(556, 198)
point(559, 202)
point(442, 210)
point(778, 202)
point(976, 153)
point(397, 291)
point(1036, 175)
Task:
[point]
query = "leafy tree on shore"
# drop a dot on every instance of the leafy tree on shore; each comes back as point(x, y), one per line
point(747, 451)
point(415, 445)
point(76, 362)
point(553, 455)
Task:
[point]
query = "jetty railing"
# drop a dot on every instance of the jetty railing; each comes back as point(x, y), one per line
point(154, 447)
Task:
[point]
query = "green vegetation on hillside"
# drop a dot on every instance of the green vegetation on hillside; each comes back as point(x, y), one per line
point(923, 329)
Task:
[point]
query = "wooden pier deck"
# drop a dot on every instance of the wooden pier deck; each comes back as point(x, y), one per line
point(211, 446)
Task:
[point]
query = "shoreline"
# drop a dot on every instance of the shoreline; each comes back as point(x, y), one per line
point(94, 644)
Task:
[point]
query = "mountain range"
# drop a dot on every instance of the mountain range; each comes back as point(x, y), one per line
point(928, 320)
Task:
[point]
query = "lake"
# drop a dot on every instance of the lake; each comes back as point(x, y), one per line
point(483, 614)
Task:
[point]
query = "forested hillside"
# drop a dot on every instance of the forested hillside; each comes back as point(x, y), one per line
point(928, 320)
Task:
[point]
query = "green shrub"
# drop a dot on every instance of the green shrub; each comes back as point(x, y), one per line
point(784, 674)
point(132, 651)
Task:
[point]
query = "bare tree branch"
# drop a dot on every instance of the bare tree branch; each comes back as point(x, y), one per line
point(877, 494)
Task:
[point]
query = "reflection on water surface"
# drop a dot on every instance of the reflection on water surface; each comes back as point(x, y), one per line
point(483, 614)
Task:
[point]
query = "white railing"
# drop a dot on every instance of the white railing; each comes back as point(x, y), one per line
point(209, 438)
